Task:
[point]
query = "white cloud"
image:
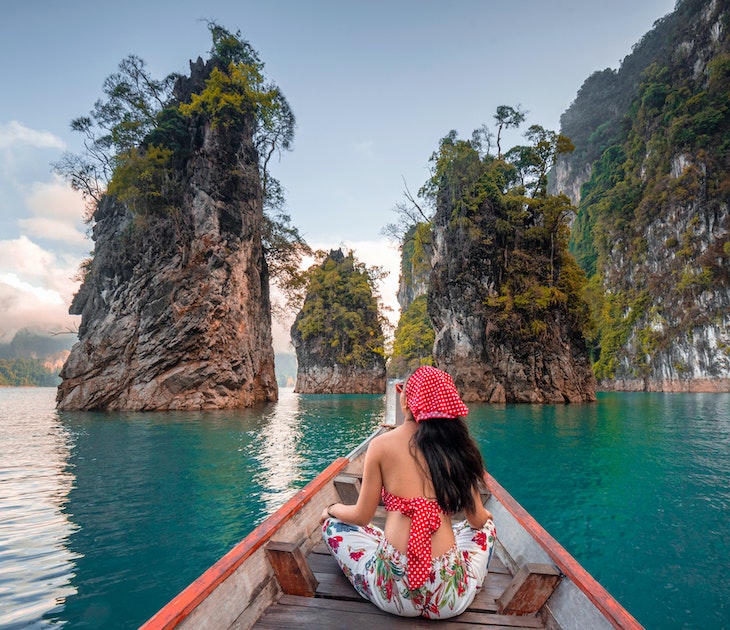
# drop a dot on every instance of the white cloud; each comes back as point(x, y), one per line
point(281, 335)
point(55, 199)
point(25, 258)
point(35, 288)
point(56, 211)
point(15, 133)
point(44, 296)
point(52, 229)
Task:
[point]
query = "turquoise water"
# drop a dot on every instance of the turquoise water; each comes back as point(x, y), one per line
point(636, 488)
point(105, 517)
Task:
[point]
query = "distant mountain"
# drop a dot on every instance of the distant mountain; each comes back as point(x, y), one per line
point(29, 344)
point(33, 358)
point(285, 366)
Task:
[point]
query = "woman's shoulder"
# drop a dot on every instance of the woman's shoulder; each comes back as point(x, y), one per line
point(395, 438)
point(381, 441)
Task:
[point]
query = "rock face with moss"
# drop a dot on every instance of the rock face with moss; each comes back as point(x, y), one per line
point(414, 335)
point(495, 354)
point(337, 334)
point(653, 225)
point(505, 296)
point(175, 306)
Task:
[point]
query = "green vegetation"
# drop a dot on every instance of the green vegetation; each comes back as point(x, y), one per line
point(658, 136)
point(23, 361)
point(230, 96)
point(139, 137)
point(414, 337)
point(118, 124)
point(511, 232)
point(26, 373)
point(146, 182)
point(340, 315)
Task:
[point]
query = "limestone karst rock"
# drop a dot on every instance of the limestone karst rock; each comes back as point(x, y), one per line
point(504, 294)
point(490, 359)
point(650, 178)
point(414, 335)
point(337, 335)
point(175, 306)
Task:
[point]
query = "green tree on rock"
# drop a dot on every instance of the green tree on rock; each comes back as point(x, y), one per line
point(340, 324)
point(138, 137)
point(507, 220)
point(414, 337)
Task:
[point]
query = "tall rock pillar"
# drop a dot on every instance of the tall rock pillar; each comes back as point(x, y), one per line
point(175, 307)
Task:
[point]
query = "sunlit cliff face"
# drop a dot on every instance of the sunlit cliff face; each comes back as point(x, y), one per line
point(175, 308)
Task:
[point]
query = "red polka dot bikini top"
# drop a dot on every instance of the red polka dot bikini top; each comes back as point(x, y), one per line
point(425, 518)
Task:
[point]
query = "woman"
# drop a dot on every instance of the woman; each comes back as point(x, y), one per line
point(425, 470)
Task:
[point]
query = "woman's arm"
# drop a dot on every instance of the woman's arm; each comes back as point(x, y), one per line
point(480, 515)
point(372, 482)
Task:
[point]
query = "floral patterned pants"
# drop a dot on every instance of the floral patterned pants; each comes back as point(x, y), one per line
point(378, 571)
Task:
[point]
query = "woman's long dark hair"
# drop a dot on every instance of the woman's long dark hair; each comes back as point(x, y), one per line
point(453, 459)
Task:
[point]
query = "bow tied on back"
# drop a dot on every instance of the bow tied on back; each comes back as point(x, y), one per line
point(425, 518)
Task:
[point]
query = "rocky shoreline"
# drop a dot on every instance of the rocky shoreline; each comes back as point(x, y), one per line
point(693, 385)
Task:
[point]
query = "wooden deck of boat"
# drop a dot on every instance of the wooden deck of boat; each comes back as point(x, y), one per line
point(338, 605)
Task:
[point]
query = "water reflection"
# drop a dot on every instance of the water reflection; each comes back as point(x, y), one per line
point(159, 497)
point(106, 517)
point(36, 565)
point(276, 450)
point(304, 433)
point(635, 487)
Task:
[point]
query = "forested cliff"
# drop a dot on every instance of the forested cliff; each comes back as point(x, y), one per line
point(175, 302)
point(504, 301)
point(599, 251)
point(338, 334)
point(649, 182)
point(650, 175)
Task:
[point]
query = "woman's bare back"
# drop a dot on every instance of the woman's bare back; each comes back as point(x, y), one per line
point(405, 474)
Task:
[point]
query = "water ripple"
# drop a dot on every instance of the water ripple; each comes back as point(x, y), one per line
point(36, 567)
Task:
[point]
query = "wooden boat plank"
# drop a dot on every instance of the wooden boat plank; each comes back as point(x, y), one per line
point(293, 611)
point(494, 620)
point(333, 586)
point(307, 614)
point(336, 586)
point(333, 583)
point(486, 598)
point(322, 563)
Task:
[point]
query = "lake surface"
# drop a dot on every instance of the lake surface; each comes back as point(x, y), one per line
point(106, 517)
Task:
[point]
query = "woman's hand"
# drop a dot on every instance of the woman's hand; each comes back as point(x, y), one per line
point(480, 515)
point(326, 513)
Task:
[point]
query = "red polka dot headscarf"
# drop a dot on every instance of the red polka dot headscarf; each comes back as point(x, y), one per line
point(431, 393)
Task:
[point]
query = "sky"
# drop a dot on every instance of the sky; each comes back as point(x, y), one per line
point(374, 86)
